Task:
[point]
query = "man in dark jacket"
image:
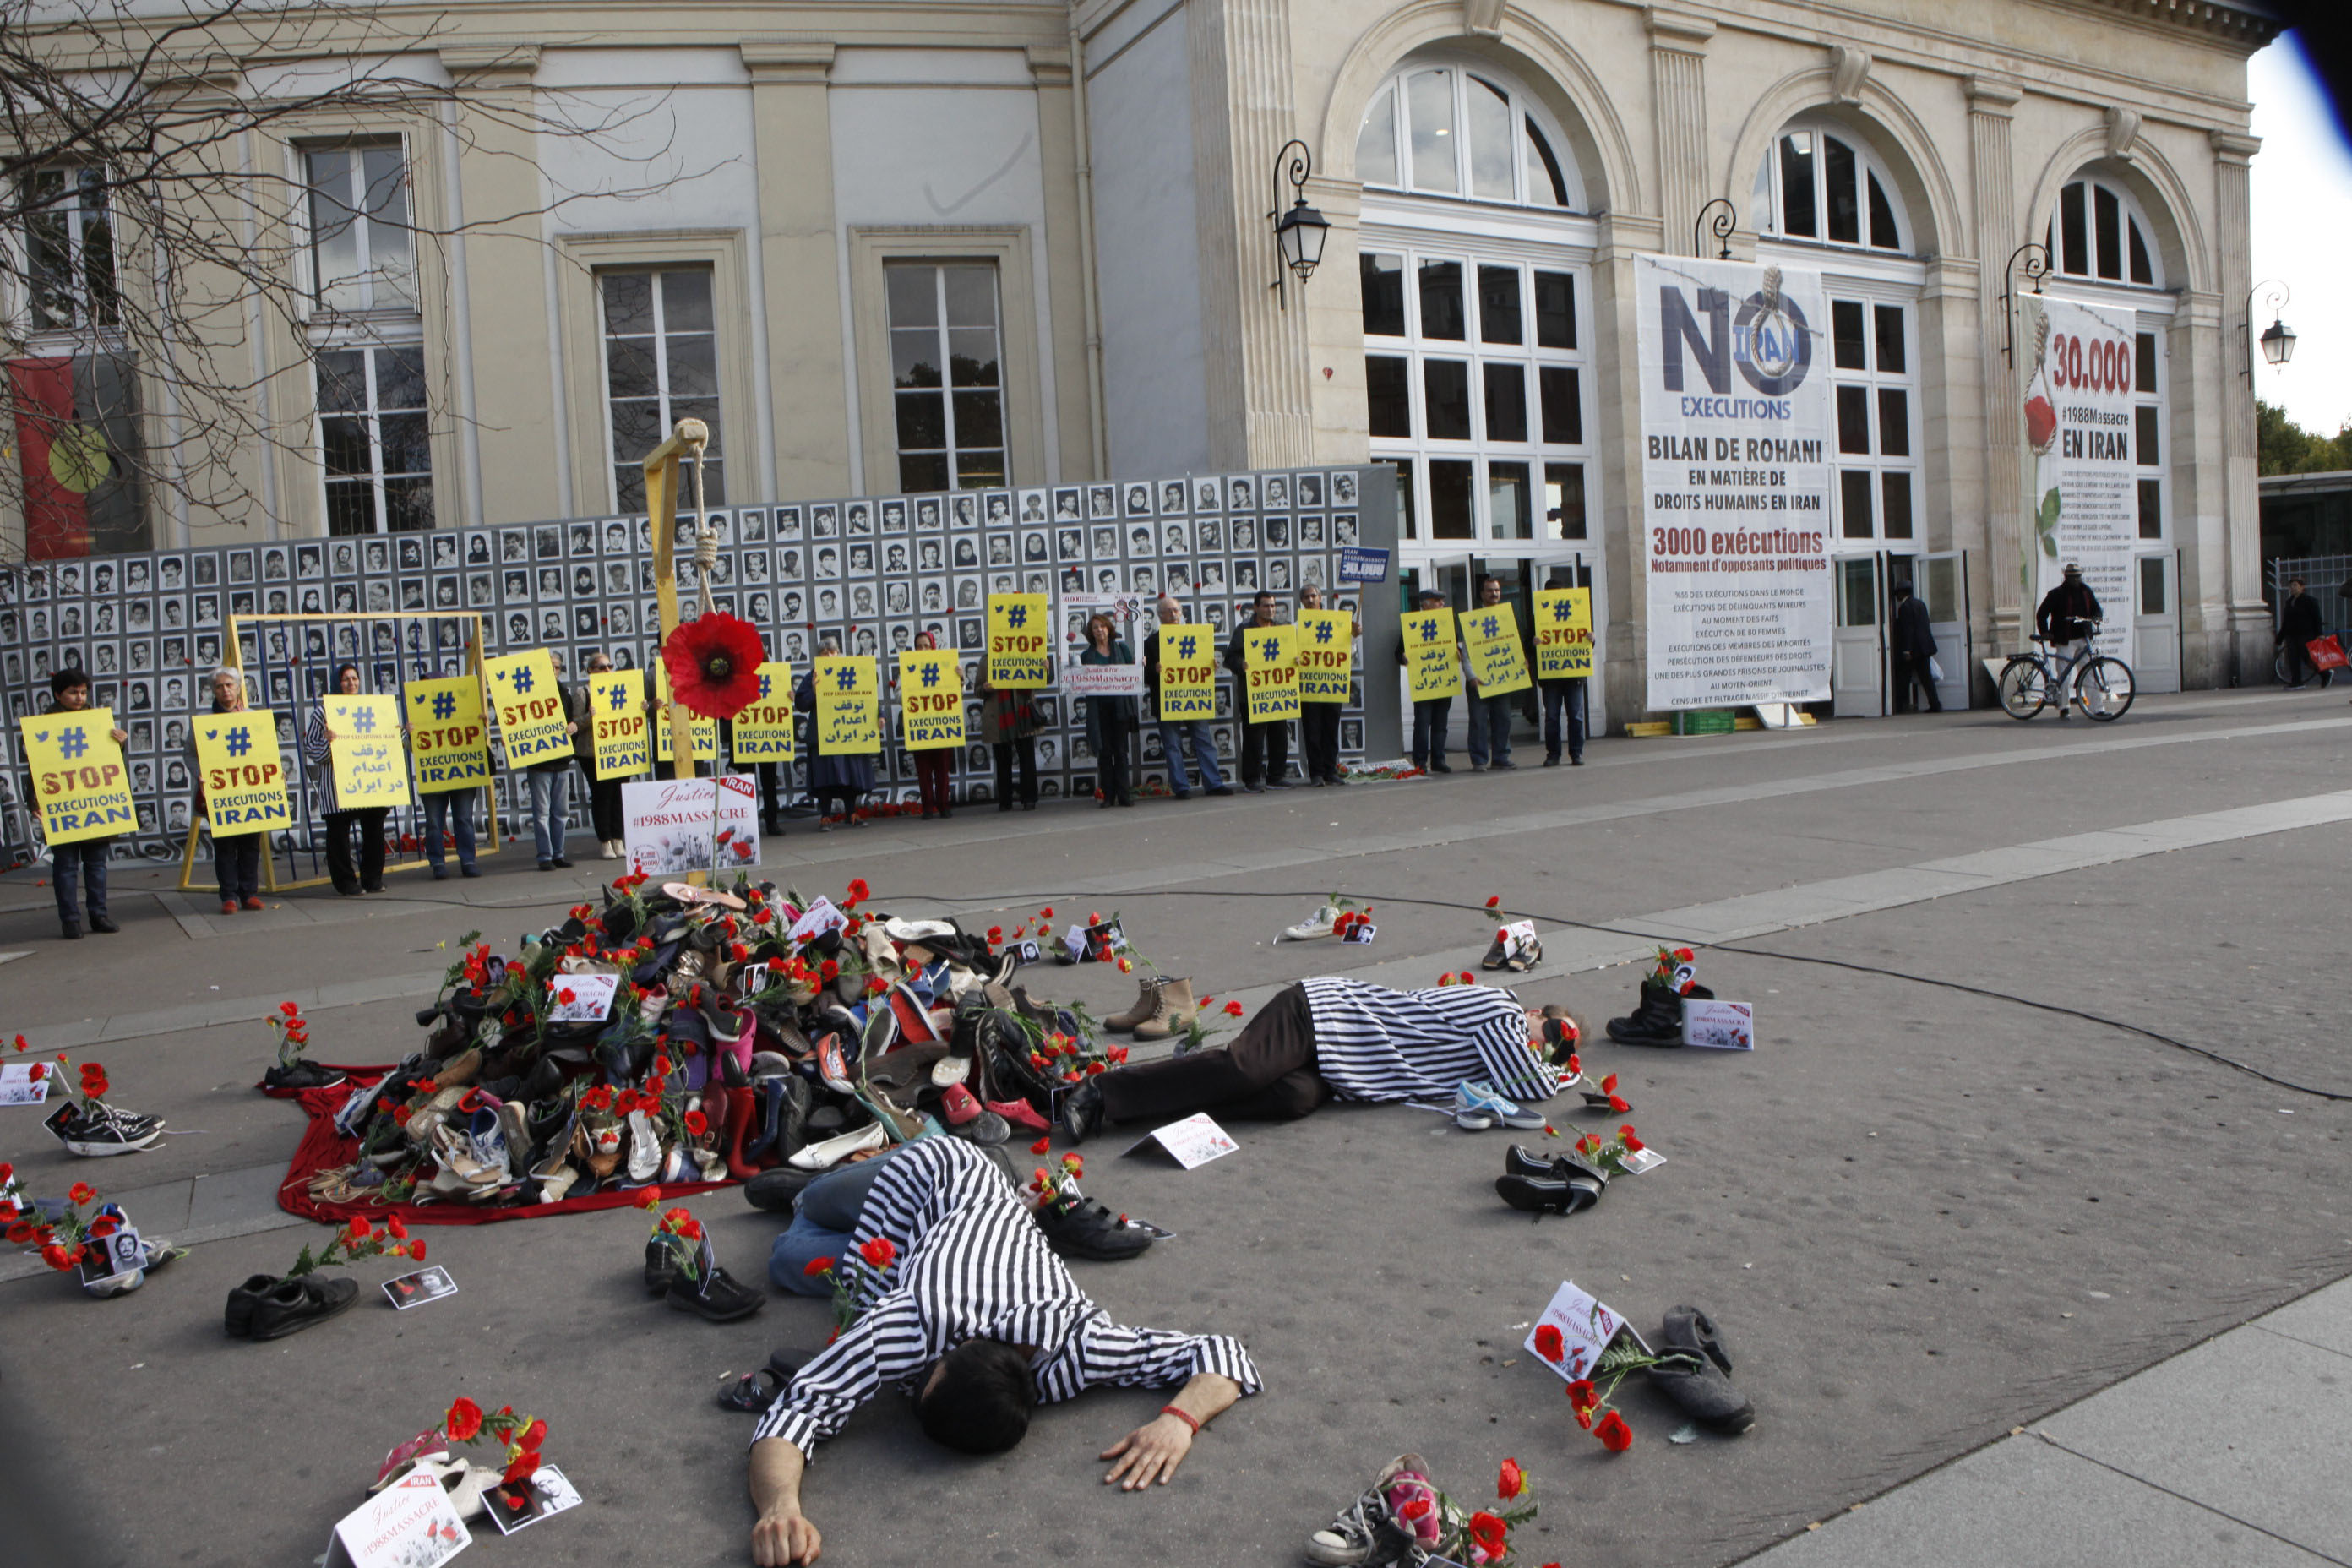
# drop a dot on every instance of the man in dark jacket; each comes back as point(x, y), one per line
point(1914, 645)
point(1265, 748)
point(2066, 618)
point(2298, 625)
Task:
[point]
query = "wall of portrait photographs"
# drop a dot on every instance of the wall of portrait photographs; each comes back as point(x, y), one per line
point(869, 573)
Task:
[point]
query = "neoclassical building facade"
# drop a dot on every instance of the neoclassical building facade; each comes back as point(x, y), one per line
point(910, 247)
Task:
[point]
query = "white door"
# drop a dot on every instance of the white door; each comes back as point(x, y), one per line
point(2155, 623)
point(1858, 646)
point(1942, 584)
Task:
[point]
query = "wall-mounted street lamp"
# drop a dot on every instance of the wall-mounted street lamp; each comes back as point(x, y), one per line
point(2036, 268)
point(2278, 338)
point(1722, 226)
point(1298, 234)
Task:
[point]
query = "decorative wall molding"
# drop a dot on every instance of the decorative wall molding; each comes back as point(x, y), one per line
point(2122, 131)
point(1848, 67)
point(1483, 18)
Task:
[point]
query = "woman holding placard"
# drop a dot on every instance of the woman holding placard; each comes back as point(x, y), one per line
point(931, 763)
point(1111, 717)
point(318, 742)
point(830, 775)
point(236, 857)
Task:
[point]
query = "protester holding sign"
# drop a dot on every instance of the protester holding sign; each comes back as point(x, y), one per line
point(551, 779)
point(1325, 654)
point(1265, 743)
point(763, 735)
point(930, 701)
point(449, 743)
point(1563, 664)
point(1497, 666)
point(1180, 672)
point(238, 784)
point(1009, 723)
point(838, 699)
point(595, 750)
point(1431, 653)
point(1110, 716)
point(342, 822)
point(83, 790)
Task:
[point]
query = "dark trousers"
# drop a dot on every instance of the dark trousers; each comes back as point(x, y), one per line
point(1566, 696)
point(2298, 660)
point(1118, 741)
point(604, 805)
point(237, 865)
point(1267, 1074)
point(449, 813)
point(1265, 751)
point(1490, 728)
point(369, 825)
point(1318, 737)
point(1911, 668)
point(85, 864)
point(931, 777)
point(1429, 722)
point(772, 802)
point(1025, 751)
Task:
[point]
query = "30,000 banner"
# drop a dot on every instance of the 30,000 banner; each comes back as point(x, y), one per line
point(2085, 472)
point(1734, 479)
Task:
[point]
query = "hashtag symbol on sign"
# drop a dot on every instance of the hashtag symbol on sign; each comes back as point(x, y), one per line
point(1323, 632)
point(766, 683)
point(444, 704)
point(1559, 611)
point(620, 699)
point(519, 679)
point(1184, 648)
point(844, 679)
point(364, 720)
point(1018, 615)
point(930, 674)
point(239, 741)
point(1269, 648)
point(72, 742)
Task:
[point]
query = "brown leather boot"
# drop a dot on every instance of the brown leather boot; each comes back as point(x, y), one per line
point(1174, 1014)
point(1146, 1002)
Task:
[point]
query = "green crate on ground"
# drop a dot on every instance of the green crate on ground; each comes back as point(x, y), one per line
point(1704, 721)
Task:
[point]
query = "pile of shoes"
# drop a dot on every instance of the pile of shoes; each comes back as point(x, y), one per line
point(730, 1046)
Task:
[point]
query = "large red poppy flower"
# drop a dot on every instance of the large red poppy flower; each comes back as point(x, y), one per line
point(714, 665)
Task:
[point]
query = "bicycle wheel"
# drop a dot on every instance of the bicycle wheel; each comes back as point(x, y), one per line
point(2024, 687)
point(2103, 689)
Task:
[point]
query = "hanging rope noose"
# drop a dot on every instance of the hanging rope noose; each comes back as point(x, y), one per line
point(697, 436)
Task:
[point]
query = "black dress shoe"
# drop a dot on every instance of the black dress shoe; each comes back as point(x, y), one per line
point(1547, 1195)
point(100, 923)
point(1080, 1229)
point(291, 1305)
point(561, 863)
point(1082, 1113)
point(718, 1297)
point(1223, 789)
point(69, 929)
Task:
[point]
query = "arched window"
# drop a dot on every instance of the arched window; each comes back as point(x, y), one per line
point(1446, 131)
point(2099, 231)
point(1822, 184)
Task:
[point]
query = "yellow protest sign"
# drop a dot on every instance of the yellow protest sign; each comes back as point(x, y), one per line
point(237, 769)
point(446, 736)
point(930, 700)
point(763, 731)
point(705, 731)
point(617, 719)
point(370, 762)
point(1270, 659)
point(1020, 653)
point(1429, 655)
point(1490, 636)
point(1188, 672)
point(848, 706)
point(78, 780)
point(1326, 646)
point(1563, 633)
point(531, 726)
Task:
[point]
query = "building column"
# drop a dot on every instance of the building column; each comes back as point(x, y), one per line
point(2008, 540)
point(1679, 93)
point(1261, 410)
point(2249, 642)
point(799, 264)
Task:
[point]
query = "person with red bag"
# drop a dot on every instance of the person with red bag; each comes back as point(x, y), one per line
point(2298, 626)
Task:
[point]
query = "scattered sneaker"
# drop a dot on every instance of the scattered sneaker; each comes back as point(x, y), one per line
point(291, 1305)
point(237, 1320)
point(1692, 1374)
point(1322, 923)
point(1368, 1532)
point(1479, 1099)
point(300, 1076)
point(661, 1266)
point(97, 1131)
point(718, 1297)
point(1082, 1113)
point(1080, 1229)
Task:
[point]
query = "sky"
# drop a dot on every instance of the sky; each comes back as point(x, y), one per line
point(2302, 231)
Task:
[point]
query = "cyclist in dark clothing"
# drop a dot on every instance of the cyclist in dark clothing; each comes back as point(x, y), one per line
point(2067, 617)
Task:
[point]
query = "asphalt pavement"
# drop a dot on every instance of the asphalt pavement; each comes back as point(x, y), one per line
point(2015, 1217)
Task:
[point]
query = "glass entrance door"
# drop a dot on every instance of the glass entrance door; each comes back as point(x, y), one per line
point(1858, 644)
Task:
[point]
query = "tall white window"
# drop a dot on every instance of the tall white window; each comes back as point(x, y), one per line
point(947, 375)
point(2098, 232)
point(661, 365)
point(68, 249)
point(1475, 379)
point(1875, 379)
point(1447, 131)
point(366, 339)
point(1821, 185)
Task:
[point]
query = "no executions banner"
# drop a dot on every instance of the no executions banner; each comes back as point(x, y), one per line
point(1736, 477)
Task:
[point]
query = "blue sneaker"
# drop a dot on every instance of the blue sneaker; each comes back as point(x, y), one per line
point(1476, 1108)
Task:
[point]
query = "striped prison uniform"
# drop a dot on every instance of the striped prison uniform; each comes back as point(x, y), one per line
point(972, 1264)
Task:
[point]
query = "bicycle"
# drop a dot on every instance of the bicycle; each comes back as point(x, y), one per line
point(2101, 683)
point(2323, 678)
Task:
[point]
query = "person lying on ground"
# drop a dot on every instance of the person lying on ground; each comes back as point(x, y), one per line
point(982, 1312)
point(1330, 1038)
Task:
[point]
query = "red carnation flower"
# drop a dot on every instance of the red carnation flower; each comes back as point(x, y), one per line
point(1614, 1434)
point(1234, 1009)
point(1495, 902)
point(817, 1266)
point(81, 1193)
point(1489, 1532)
point(1620, 1104)
point(416, 1251)
point(464, 1422)
point(1549, 1344)
point(880, 1252)
point(714, 665)
point(1511, 1482)
point(1626, 1135)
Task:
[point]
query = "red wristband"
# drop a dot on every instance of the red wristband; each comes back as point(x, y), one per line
point(1182, 1415)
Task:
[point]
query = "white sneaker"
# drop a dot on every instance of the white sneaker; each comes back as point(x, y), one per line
point(1322, 923)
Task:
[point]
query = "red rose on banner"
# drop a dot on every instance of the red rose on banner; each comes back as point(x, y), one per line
point(714, 665)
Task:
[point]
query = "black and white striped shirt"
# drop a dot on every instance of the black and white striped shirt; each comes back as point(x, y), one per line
point(972, 1265)
point(1373, 1043)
